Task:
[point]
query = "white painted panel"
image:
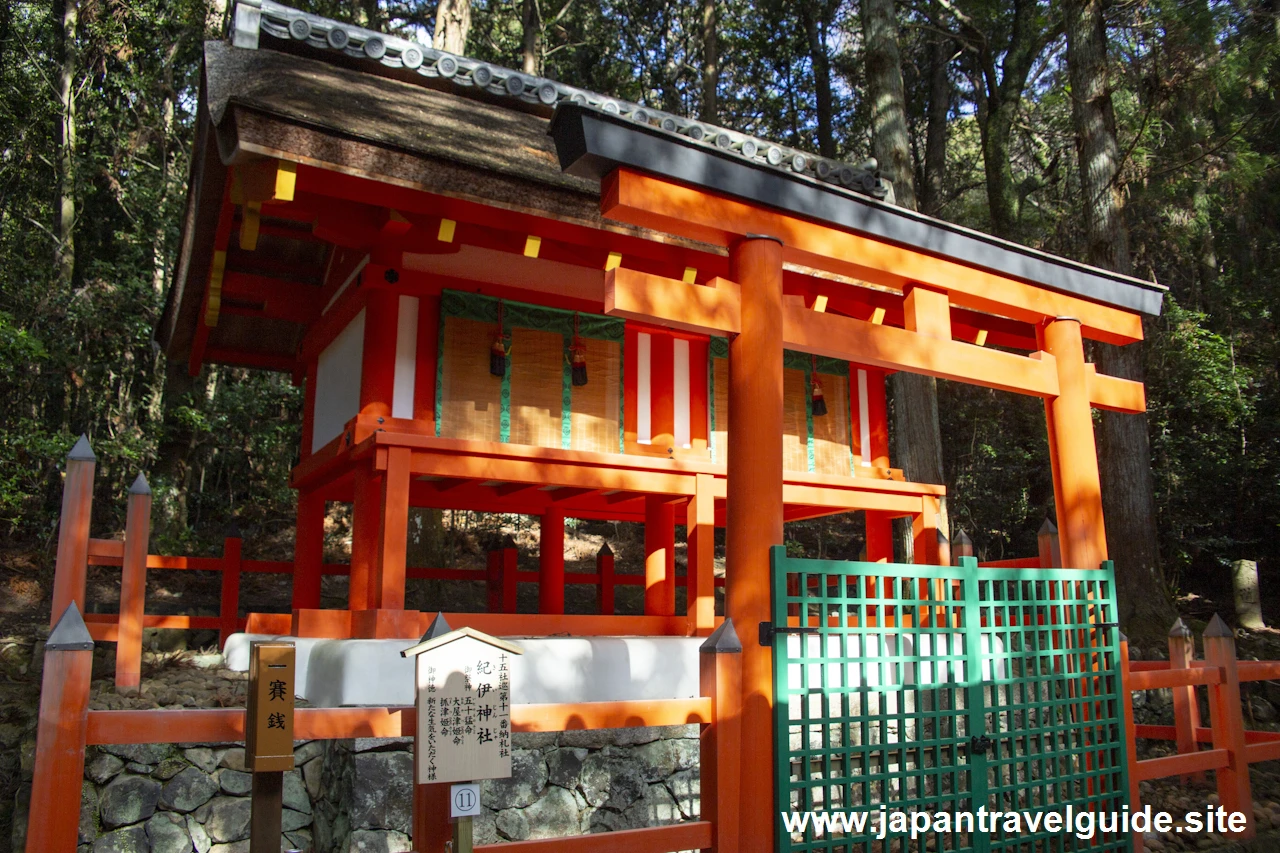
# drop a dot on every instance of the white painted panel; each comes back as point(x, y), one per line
point(681, 386)
point(338, 383)
point(333, 673)
point(644, 400)
point(406, 357)
point(864, 422)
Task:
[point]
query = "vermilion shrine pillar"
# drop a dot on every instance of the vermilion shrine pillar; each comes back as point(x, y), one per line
point(754, 513)
point(551, 562)
point(659, 556)
point(1074, 457)
point(308, 550)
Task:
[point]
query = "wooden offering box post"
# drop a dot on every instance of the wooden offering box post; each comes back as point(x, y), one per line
point(268, 738)
point(463, 681)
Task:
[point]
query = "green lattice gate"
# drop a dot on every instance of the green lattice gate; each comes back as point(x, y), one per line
point(940, 689)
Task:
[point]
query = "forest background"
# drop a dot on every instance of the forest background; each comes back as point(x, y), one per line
point(1142, 135)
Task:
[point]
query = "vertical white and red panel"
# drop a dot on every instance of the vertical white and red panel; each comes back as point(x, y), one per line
point(665, 391)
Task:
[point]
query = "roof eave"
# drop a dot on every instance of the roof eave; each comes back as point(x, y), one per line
point(592, 144)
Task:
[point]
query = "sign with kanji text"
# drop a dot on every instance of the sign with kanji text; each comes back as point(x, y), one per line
point(464, 707)
point(268, 737)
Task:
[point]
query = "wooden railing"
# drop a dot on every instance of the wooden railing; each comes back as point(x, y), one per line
point(67, 727)
point(1232, 747)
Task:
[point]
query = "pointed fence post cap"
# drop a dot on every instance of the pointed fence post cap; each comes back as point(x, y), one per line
point(438, 628)
point(1179, 629)
point(70, 634)
point(942, 538)
point(1217, 628)
point(723, 640)
point(508, 541)
point(962, 539)
point(1124, 637)
point(605, 551)
point(1048, 528)
point(82, 452)
point(140, 486)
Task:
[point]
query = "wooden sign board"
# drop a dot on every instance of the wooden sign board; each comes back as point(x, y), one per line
point(268, 733)
point(464, 708)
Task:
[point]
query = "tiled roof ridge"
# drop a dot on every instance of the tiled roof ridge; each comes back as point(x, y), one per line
point(251, 18)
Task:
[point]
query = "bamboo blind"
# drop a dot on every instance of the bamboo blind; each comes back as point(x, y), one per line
point(537, 387)
point(470, 398)
point(795, 426)
point(594, 407)
point(831, 449)
point(720, 433)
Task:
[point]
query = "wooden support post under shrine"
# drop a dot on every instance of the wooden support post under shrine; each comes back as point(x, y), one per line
point(308, 550)
point(61, 734)
point(366, 523)
point(700, 572)
point(755, 511)
point(879, 537)
point(73, 528)
point(1227, 719)
point(605, 582)
point(230, 589)
point(551, 562)
point(133, 587)
point(720, 756)
point(924, 530)
point(659, 556)
point(386, 590)
point(502, 567)
point(1078, 490)
point(1186, 711)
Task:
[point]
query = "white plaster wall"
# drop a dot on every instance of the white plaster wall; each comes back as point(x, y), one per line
point(335, 673)
point(406, 357)
point(338, 383)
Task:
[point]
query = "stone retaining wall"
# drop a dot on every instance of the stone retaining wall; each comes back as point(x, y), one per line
point(566, 783)
point(168, 798)
point(356, 796)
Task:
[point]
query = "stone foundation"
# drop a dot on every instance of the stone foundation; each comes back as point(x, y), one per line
point(356, 796)
point(188, 797)
point(567, 783)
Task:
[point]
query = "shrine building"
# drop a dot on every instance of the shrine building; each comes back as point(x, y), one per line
point(505, 294)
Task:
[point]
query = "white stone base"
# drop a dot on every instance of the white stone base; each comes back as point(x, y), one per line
point(338, 673)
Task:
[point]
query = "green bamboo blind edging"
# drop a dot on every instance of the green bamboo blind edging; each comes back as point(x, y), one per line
point(525, 315)
point(566, 396)
point(484, 309)
point(923, 690)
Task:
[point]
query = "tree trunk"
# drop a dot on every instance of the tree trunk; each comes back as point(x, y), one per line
point(890, 143)
point(814, 30)
point(1124, 456)
point(453, 21)
point(1002, 194)
point(172, 470)
point(935, 147)
point(64, 258)
point(917, 436)
point(710, 63)
point(531, 22)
